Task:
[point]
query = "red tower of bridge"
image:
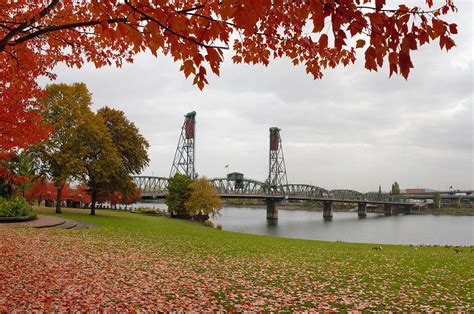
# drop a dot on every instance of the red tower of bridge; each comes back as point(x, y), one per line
point(184, 157)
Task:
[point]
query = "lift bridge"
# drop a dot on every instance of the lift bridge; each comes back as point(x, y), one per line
point(273, 190)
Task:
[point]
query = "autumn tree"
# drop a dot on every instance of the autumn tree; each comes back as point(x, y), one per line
point(130, 144)
point(203, 199)
point(59, 157)
point(127, 197)
point(41, 189)
point(131, 148)
point(395, 188)
point(37, 35)
point(178, 194)
point(133, 196)
point(81, 192)
point(102, 165)
point(21, 122)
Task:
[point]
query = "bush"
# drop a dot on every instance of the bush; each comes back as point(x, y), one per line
point(204, 199)
point(219, 227)
point(208, 223)
point(458, 204)
point(15, 207)
point(144, 210)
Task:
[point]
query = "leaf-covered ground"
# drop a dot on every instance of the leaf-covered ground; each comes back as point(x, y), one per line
point(148, 263)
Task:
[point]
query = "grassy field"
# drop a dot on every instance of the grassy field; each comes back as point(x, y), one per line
point(133, 261)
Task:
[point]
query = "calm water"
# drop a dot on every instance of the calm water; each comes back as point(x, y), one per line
point(347, 227)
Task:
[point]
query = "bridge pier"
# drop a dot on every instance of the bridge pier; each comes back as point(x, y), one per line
point(362, 210)
point(407, 209)
point(388, 209)
point(272, 209)
point(327, 210)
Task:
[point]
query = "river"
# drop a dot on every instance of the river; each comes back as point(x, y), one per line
point(347, 227)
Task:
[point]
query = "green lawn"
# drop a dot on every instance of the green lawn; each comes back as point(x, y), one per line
point(142, 262)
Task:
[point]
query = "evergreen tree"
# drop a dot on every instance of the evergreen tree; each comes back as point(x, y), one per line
point(395, 188)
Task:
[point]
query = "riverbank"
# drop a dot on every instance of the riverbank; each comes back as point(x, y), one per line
point(453, 211)
point(138, 262)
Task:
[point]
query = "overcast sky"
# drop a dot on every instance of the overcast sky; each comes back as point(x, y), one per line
point(353, 129)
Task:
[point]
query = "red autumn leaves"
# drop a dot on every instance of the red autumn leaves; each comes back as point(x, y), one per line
point(36, 35)
point(392, 37)
point(195, 34)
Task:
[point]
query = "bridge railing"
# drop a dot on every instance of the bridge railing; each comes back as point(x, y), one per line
point(305, 190)
point(151, 185)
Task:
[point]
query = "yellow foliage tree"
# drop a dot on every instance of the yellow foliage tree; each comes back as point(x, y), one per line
point(204, 199)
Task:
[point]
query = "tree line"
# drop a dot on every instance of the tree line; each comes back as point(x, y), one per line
point(101, 150)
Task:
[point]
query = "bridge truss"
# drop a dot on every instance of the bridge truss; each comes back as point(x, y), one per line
point(183, 161)
point(152, 187)
point(277, 169)
point(157, 187)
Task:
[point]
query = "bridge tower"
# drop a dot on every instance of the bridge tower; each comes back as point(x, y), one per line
point(184, 157)
point(276, 172)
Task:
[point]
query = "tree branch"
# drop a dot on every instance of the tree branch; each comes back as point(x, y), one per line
point(20, 28)
point(148, 17)
point(61, 27)
point(400, 11)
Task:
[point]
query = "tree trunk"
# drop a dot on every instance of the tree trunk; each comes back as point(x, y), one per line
point(94, 199)
point(58, 199)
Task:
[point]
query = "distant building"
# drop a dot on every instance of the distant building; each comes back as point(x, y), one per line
point(411, 191)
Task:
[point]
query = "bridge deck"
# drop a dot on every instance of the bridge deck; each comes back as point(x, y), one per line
point(315, 199)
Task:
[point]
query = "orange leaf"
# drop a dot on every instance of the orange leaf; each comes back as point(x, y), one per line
point(370, 63)
point(360, 43)
point(405, 63)
point(323, 41)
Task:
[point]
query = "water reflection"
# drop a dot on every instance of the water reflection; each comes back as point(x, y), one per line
point(272, 223)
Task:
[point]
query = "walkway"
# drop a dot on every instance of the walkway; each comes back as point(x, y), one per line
point(43, 221)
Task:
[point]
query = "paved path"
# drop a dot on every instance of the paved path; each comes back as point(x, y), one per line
point(43, 221)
